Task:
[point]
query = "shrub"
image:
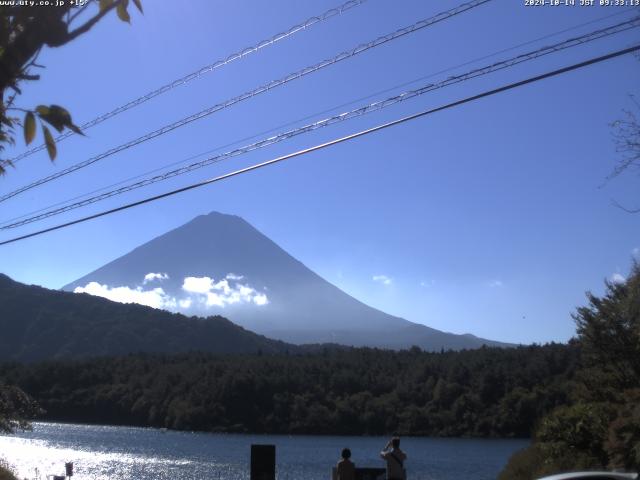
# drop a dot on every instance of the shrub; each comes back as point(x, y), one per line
point(5, 471)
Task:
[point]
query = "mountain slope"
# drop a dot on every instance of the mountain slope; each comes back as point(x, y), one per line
point(37, 323)
point(216, 255)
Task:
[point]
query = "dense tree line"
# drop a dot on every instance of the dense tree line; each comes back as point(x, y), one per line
point(599, 428)
point(485, 392)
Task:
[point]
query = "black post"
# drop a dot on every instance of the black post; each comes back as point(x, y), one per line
point(263, 462)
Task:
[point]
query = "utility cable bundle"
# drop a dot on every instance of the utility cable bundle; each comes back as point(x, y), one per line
point(282, 136)
point(363, 110)
point(201, 71)
point(336, 141)
point(252, 93)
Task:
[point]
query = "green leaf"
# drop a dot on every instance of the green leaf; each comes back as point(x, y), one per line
point(29, 127)
point(75, 128)
point(123, 14)
point(138, 4)
point(104, 4)
point(55, 122)
point(58, 117)
point(50, 143)
point(60, 113)
point(42, 110)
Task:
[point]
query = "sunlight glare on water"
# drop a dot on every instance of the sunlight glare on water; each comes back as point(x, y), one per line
point(26, 455)
point(119, 453)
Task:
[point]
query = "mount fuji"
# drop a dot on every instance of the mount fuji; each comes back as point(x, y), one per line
point(219, 264)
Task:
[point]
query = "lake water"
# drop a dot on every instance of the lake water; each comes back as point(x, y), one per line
point(119, 453)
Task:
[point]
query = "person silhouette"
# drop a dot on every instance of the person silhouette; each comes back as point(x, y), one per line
point(395, 459)
point(346, 468)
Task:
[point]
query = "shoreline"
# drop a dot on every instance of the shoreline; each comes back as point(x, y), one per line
point(276, 434)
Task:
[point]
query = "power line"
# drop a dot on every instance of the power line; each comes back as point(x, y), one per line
point(316, 114)
point(201, 71)
point(336, 141)
point(257, 91)
point(363, 110)
point(322, 112)
point(475, 60)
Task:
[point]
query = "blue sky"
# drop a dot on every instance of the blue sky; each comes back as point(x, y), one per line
point(492, 218)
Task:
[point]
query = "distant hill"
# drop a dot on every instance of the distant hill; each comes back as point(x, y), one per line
point(37, 323)
point(220, 264)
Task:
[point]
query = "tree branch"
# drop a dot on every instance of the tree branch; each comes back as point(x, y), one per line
point(79, 12)
point(90, 23)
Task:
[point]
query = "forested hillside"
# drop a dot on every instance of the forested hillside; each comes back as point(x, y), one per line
point(38, 323)
point(485, 392)
point(599, 428)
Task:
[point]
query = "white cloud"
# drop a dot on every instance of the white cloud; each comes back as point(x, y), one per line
point(636, 252)
point(260, 299)
point(383, 279)
point(214, 300)
point(426, 284)
point(203, 291)
point(617, 278)
point(155, 298)
point(150, 277)
point(496, 284)
point(197, 284)
point(212, 293)
point(185, 303)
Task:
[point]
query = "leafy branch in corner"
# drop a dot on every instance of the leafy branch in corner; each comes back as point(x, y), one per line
point(56, 116)
point(24, 32)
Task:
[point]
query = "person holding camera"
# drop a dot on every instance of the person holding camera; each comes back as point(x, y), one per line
point(395, 459)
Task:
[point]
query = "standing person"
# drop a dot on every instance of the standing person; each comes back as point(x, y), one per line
point(346, 468)
point(395, 459)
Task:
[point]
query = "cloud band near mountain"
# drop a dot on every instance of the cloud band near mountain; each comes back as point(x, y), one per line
point(201, 291)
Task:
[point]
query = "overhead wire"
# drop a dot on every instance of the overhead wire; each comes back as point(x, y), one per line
point(417, 26)
point(336, 141)
point(316, 114)
point(363, 110)
point(332, 12)
point(329, 110)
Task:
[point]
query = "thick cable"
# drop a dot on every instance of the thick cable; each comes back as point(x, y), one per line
point(372, 107)
point(201, 71)
point(336, 141)
point(252, 93)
